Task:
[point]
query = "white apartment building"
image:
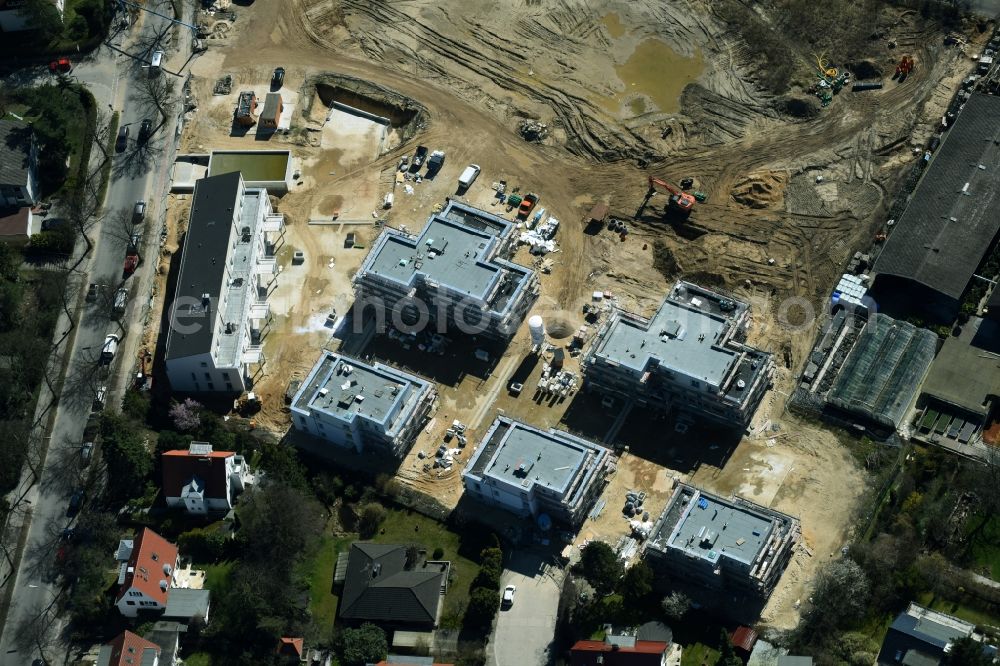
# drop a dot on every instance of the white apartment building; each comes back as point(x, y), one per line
point(220, 305)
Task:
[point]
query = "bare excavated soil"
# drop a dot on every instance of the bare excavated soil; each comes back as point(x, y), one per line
point(626, 90)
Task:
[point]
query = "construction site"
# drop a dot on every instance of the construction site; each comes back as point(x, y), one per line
point(700, 174)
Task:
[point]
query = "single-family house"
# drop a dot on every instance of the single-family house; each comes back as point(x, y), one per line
point(290, 648)
point(201, 480)
point(17, 225)
point(383, 586)
point(922, 637)
point(128, 649)
point(18, 164)
point(148, 580)
point(619, 651)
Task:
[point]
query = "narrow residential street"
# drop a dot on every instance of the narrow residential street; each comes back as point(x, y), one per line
point(525, 631)
point(140, 172)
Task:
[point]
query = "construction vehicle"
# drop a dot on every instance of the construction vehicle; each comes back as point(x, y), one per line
point(904, 67)
point(679, 202)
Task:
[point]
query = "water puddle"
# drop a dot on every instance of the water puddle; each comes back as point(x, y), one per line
point(614, 25)
point(654, 77)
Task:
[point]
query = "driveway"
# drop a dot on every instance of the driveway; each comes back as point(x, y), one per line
point(524, 631)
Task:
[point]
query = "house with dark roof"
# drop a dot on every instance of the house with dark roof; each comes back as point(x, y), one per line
point(220, 308)
point(921, 637)
point(149, 580)
point(201, 480)
point(383, 586)
point(128, 649)
point(950, 223)
point(17, 225)
point(18, 164)
point(619, 651)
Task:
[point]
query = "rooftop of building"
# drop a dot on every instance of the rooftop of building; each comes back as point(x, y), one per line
point(379, 587)
point(964, 374)
point(686, 335)
point(344, 387)
point(272, 104)
point(15, 149)
point(15, 222)
point(199, 461)
point(954, 213)
point(454, 249)
point(203, 264)
point(128, 649)
point(709, 527)
point(147, 566)
point(521, 454)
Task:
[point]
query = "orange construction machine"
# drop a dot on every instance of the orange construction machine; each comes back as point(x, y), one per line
point(904, 67)
point(680, 201)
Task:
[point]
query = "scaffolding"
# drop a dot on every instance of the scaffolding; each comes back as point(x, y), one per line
point(884, 370)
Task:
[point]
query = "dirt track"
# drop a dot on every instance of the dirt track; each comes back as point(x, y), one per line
point(768, 230)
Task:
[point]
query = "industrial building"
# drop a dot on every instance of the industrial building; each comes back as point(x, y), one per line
point(220, 306)
point(361, 406)
point(721, 544)
point(950, 223)
point(531, 472)
point(690, 356)
point(455, 274)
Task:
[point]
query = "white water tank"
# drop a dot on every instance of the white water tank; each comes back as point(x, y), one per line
point(536, 327)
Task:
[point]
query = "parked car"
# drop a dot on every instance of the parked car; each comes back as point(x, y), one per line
point(131, 263)
point(155, 62)
point(145, 129)
point(139, 212)
point(468, 176)
point(109, 348)
point(62, 65)
point(418, 159)
point(86, 453)
point(100, 397)
point(121, 143)
point(120, 301)
point(93, 292)
point(278, 79)
point(135, 239)
point(508, 596)
point(75, 502)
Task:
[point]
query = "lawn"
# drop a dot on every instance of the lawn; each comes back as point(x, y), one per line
point(697, 655)
point(402, 527)
point(217, 575)
point(959, 610)
point(985, 547)
point(198, 659)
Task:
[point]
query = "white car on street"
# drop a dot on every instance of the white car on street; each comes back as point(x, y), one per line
point(508, 596)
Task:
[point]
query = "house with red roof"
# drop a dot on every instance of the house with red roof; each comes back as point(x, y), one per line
point(201, 480)
point(290, 648)
point(129, 649)
point(148, 580)
point(619, 651)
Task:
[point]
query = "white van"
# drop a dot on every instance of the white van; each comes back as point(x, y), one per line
point(110, 348)
point(155, 61)
point(468, 176)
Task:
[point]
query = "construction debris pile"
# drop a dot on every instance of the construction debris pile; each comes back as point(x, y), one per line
point(223, 86)
point(532, 130)
point(561, 383)
point(633, 504)
point(540, 234)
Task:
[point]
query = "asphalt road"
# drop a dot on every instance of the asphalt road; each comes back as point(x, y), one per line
point(138, 173)
point(524, 631)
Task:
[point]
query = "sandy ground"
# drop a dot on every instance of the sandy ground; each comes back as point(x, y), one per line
point(768, 231)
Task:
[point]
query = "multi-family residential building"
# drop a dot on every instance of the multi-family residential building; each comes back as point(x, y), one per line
point(220, 306)
point(362, 406)
point(18, 164)
point(201, 480)
point(690, 356)
point(455, 275)
point(530, 472)
point(149, 581)
point(721, 544)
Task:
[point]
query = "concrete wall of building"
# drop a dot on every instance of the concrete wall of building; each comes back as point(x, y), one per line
point(198, 374)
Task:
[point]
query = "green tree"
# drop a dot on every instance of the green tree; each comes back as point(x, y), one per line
point(727, 654)
point(600, 566)
point(370, 518)
point(129, 461)
point(365, 645)
point(967, 652)
point(483, 605)
point(278, 524)
point(43, 16)
point(637, 583)
point(840, 596)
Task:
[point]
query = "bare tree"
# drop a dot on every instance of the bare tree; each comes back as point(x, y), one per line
point(35, 632)
point(157, 94)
